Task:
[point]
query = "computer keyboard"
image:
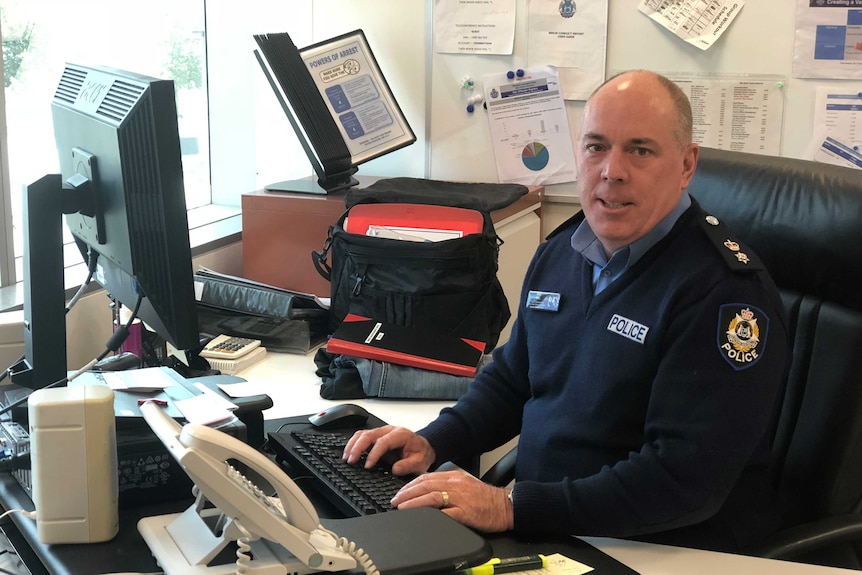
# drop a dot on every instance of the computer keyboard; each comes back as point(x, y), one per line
point(353, 489)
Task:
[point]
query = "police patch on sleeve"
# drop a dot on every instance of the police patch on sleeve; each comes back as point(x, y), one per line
point(742, 331)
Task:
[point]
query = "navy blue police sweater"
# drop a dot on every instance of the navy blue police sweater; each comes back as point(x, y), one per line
point(645, 409)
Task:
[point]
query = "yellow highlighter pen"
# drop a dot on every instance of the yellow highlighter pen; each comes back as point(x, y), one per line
point(509, 565)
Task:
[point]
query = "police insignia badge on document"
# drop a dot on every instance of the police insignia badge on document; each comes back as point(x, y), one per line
point(543, 300)
point(742, 333)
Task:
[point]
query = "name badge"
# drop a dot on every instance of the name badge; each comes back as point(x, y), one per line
point(543, 300)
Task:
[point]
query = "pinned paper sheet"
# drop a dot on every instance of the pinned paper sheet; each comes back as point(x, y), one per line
point(529, 126)
point(698, 23)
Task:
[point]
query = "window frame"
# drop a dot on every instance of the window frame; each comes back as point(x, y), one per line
point(7, 249)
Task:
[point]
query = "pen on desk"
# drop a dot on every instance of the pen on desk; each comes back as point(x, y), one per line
point(509, 565)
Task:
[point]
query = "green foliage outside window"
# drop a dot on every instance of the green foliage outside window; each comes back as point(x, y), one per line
point(15, 46)
point(184, 66)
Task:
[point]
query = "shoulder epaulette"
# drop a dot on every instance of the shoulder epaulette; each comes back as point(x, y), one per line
point(736, 254)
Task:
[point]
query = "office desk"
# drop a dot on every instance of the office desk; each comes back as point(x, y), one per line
point(290, 381)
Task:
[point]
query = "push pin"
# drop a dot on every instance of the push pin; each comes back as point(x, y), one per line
point(467, 83)
point(519, 73)
point(472, 101)
point(510, 74)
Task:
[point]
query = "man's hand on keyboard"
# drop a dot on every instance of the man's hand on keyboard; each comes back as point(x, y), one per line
point(417, 454)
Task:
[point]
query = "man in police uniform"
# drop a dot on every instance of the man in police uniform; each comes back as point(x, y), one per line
point(644, 367)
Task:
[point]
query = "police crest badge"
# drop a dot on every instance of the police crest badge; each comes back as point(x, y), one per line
point(742, 333)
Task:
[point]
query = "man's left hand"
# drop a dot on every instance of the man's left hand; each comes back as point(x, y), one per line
point(462, 497)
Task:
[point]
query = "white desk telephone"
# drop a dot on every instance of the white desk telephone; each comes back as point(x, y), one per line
point(283, 534)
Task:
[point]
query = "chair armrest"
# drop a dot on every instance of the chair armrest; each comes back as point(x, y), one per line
point(801, 539)
point(450, 466)
point(503, 471)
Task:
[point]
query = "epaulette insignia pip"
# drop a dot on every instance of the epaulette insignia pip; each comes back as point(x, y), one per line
point(736, 254)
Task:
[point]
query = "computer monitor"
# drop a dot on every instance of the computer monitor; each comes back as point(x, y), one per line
point(121, 188)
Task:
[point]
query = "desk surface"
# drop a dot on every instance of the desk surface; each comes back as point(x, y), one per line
point(290, 381)
point(651, 559)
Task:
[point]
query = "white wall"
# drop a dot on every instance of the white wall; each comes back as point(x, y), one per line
point(11, 337)
point(760, 41)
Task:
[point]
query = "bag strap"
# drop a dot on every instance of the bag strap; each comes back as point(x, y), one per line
point(319, 258)
point(483, 197)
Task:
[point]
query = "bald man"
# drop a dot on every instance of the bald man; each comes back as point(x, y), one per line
point(644, 367)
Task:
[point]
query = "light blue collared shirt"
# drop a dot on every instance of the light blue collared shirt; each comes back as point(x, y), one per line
point(606, 271)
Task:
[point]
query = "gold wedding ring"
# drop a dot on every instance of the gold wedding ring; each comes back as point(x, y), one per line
point(445, 496)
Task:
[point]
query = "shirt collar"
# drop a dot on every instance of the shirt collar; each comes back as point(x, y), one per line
point(587, 244)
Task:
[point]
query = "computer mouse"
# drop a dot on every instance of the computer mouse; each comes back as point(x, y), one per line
point(343, 415)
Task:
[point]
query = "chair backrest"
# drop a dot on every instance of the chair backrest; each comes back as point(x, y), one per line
point(804, 219)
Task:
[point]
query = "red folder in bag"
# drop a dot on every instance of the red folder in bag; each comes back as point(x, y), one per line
point(364, 337)
point(414, 221)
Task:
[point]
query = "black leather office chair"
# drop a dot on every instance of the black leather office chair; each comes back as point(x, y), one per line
point(804, 220)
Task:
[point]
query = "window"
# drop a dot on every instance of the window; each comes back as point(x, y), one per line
point(235, 136)
point(40, 36)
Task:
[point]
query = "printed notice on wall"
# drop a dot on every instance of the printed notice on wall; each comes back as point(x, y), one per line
point(474, 26)
point(838, 117)
point(572, 37)
point(698, 22)
point(529, 127)
point(828, 39)
point(742, 114)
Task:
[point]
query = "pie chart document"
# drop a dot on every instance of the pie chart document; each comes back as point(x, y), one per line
point(529, 127)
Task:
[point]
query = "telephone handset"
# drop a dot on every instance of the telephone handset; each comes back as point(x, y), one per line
point(248, 514)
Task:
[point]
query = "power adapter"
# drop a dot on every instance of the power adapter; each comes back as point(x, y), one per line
point(73, 447)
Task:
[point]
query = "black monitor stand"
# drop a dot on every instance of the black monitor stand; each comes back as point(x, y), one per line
point(44, 360)
point(312, 186)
